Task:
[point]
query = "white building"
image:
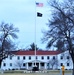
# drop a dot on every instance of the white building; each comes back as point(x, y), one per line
point(43, 60)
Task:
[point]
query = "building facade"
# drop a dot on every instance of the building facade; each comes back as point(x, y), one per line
point(42, 59)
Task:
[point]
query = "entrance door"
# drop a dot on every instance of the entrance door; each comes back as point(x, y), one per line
point(37, 64)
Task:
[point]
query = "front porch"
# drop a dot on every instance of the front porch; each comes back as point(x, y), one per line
point(39, 64)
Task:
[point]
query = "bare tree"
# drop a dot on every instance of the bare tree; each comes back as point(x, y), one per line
point(19, 63)
point(54, 62)
point(61, 26)
point(7, 34)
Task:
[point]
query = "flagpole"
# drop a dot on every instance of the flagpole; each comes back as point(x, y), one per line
point(35, 33)
point(40, 15)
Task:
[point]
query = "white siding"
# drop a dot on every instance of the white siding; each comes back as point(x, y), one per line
point(14, 61)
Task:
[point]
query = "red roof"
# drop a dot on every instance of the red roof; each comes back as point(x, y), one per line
point(37, 52)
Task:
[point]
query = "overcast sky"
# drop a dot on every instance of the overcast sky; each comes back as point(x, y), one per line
point(22, 13)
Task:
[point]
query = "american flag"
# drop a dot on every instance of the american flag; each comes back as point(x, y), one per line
point(39, 4)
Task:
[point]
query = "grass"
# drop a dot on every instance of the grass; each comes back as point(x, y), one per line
point(50, 72)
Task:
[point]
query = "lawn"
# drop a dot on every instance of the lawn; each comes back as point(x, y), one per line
point(36, 73)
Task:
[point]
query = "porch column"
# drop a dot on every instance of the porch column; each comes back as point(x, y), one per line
point(32, 64)
point(39, 65)
point(45, 65)
point(27, 65)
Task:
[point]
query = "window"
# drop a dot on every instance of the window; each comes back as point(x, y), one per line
point(36, 57)
point(10, 57)
point(23, 64)
point(10, 64)
point(61, 57)
point(29, 57)
point(67, 64)
point(47, 57)
point(53, 57)
point(23, 57)
point(4, 64)
point(30, 64)
point(18, 57)
point(61, 64)
point(42, 64)
point(42, 57)
point(67, 57)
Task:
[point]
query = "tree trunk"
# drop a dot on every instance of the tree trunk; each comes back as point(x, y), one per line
point(0, 63)
point(73, 69)
point(72, 56)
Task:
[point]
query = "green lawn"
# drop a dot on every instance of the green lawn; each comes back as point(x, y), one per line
point(36, 73)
